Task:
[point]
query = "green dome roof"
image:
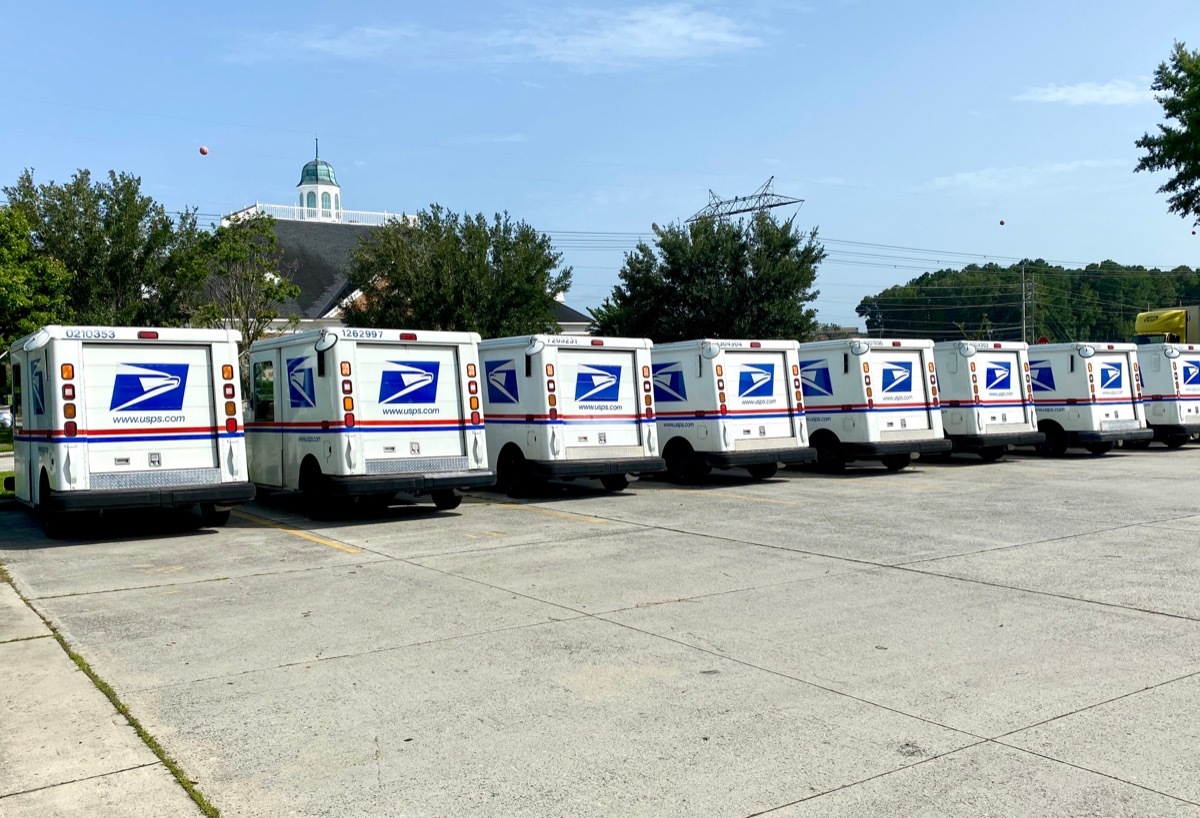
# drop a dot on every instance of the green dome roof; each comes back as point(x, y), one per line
point(318, 171)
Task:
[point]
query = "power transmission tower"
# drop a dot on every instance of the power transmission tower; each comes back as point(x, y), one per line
point(762, 199)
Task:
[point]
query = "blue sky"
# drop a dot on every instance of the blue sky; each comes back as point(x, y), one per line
point(901, 124)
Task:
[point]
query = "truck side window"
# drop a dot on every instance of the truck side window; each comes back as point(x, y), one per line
point(321, 364)
point(16, 408)
point(1072, 363)
point(845, 363)
point(264, 390)
point(528, 366)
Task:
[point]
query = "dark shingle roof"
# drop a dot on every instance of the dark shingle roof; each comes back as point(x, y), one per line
point(565, 315)
point(316, 255)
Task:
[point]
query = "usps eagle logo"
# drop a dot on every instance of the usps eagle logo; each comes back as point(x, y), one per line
point(815, 381)
point(148, 388)
point(1041, 375)
point(897, 376)
point(999, 376)
point(1110, 376)
point(598, 382)
point(668, 383)
point(1191, 373)
point(501, 381)
point(756, 381)
point(409, 382)
point(302, 392)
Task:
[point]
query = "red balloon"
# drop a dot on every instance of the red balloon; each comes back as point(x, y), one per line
point(204, 152)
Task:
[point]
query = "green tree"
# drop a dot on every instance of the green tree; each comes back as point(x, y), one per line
point(1176, 147)
point(717, 279)
point(450, 272)
point(130, 263)
point(246, 285)
point(32, 289)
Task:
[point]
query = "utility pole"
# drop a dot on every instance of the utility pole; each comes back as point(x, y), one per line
point(1024, 297)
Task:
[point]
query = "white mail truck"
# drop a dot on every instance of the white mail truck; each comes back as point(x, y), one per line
point(1087, 395)
point(724, 404)
point(367, 413)
point(1170, 379)
point(871, 399)
point(986, 396)
point(568, 406)
point(122, 417)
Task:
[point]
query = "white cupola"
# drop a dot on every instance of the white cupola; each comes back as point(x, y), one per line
point(320, 195)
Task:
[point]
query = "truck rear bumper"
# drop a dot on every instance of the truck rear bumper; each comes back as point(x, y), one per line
point(874, 451)
point(350, 485)
point(1095, 436)
point(726, 460)
point(1164, 430)
point(219, 494)
point(973, 443)
point(595, 468)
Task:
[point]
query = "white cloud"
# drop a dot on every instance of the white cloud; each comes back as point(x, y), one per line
point(1117, 92)
point(596, 39)
point(1007, 180)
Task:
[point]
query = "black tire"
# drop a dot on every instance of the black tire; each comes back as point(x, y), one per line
point(1177, 441)
point(990, 454)
point(446, 499)
point(317, 502)
point(213, 517)
point(512, 472)
point(1101, 448)
point(829, 456)
point(896, 462)
point(763, 471)
point(1055, 444)
point(1135, 444)
point(54, 524)
point(683, 464)
point(614, 482)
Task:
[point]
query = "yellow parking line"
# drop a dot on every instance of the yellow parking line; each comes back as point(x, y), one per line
point(565, 515)
point(263, 521)
point(730, 494)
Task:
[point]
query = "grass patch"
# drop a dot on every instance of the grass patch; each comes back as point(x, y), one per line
point(5, 495)
point(6, 437)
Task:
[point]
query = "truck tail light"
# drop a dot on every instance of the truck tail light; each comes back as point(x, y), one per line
point(231, 425)
point(649, 414)
point(474, 402)
point(720, 370)
point(649, 400)
point(348, 403)
point(550, 385)
point(230, 408)
point(345, 369)
point(474, 418)
point(68, 391)
point(227, 372)
point(68, 410)
point(724, 409)
point(471, 370)
point(70, 429)
point(147, 335)
point(552, 400)
point(553, 413)
point(549, 370)
point(408, 336)
point(645, 386)
point(795, 369)
point(645, 372)
point(472, 387)
point(67, 371)
point(228, 390)
point(597, 342)
point(349, 420)
point(756, 344)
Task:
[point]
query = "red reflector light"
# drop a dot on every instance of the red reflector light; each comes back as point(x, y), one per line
point(68, 391)
point(231, 425)
point(597, 342)
point(756, 344)
point(472, 387)
point(724, 409)
point(70, 429)
point(147, 335)
point(649, 414)
point(349, 419)
point(995, 346)
point(553, 414)
point(347, 387)
point(229, 390)
point(474, 418)
point(895, 343)
point(408, 336)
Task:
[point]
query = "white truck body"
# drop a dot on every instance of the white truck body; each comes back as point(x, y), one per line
point(871, 399)
point(353, 411)
point(986, 395)
point(124, 417)
point(727, 403)
point(569, 406)
point(1087, 395)
point(1170, 382)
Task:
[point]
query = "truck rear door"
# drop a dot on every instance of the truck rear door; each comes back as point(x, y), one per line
point(1000, 378)
point(899, 387)
point(148, 408)
point(598, 397)
point(1116, 392)
point(758, 395)
point(410, 402)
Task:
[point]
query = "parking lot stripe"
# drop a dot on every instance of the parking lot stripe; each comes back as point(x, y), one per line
point(263, 521)
point(566, 515)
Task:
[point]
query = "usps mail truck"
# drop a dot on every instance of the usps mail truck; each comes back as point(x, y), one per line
point(567, 406)
point(724, 404)
point(1087, 395)
point(120, 417)
point(986, 396)
point(871, 399)
point(366, 413)
point(1170, 380)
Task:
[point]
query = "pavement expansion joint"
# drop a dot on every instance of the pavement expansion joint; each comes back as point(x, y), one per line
point(107, 774)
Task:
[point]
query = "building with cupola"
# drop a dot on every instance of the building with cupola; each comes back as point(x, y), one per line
point(316, 237)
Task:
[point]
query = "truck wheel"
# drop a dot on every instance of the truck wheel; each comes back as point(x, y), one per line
point(683, 464)
point(312, 487)
point(1101, 448)
point(55, 525)
point(1055, 444)
point(213, 517)
point(763, 471)
point(829, 455)
point(896, 462)
point(990, 454)
point(1175, 441)
point(1135, 444)
point(446, 499)
point(614, 482)
point(512, 473)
